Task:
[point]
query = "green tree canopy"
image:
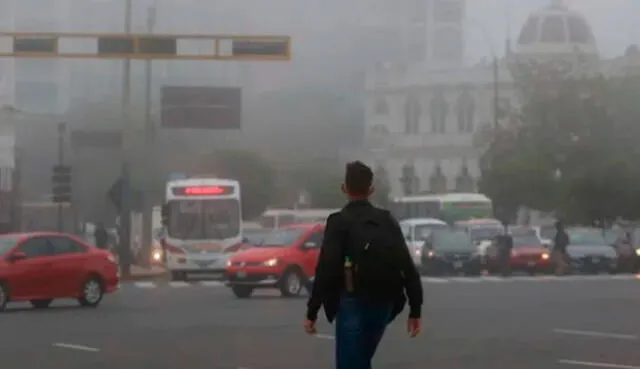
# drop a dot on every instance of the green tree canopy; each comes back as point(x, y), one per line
point(573, 151)
point(256, 177)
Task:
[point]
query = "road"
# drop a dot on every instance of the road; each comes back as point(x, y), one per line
point(541, 323)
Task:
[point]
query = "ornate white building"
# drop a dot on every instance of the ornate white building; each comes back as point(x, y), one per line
point(424, 122)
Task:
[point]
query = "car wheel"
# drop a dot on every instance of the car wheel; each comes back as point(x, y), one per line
point(179, 276)
point(4, 297)
point(242, 292)
point(291, 284)
point(92, 292)
point(41, 304)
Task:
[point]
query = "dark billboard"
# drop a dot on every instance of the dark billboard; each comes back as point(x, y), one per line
point(201, 107)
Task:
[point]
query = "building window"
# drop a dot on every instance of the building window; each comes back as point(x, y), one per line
point(437, 180)
point(409, 180)
point(465, 110)
point(447, 11)
point(380, 106)
point(579, 31)
point(529, 33)
point(438, 112)
point(447, 44)
point(37, 97)
point(418, 11)
point(553, 29)
point(412, 113)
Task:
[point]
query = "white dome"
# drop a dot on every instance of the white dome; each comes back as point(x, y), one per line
point(556, 30)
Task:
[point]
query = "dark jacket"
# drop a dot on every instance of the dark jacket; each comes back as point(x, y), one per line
point(101, 237)
point(329, 284)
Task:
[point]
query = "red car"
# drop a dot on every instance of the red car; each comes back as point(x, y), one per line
point(528, 255)
point(40, 267)
point(286, 259)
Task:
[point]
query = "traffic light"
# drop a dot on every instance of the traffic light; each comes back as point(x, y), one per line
point(166, 212)
point(61, 181)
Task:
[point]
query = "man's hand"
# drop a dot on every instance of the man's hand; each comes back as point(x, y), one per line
point(310, 327)
point(413, 327)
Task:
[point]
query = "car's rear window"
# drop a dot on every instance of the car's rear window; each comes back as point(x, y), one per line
point(7, 243)
point(282, 237)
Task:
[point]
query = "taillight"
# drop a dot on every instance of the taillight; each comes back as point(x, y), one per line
point(174, 250)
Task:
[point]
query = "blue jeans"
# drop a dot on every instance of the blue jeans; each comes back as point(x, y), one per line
point(359, 329)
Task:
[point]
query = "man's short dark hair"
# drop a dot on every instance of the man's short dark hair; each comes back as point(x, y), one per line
point(358, 178)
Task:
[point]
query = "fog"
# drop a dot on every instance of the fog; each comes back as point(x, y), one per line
point(312, 105)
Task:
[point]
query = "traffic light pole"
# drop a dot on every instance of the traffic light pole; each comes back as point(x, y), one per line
point(62, 130)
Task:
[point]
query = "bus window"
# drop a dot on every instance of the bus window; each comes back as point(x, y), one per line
point(286, 219)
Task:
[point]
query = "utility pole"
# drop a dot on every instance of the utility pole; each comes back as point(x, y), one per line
point(150, 151)
point(62, 130)
point(125, 201)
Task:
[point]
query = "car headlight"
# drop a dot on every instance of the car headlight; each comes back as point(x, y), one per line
point(431, 254)
point(156, 255)
point(271, 262)
point(229, 263)
point(638, 252)
point(545, 256)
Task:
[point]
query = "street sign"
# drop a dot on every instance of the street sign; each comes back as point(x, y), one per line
point(201, 107)
point(99, 139)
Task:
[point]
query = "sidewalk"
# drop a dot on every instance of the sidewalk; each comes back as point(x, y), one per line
point(141, 273)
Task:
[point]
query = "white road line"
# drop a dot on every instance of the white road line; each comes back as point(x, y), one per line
point(493, 279)
point(75, 347)
point(179, 284)
point(324, 336)
point(211, 283)
point(592, 364)
point(466, 279)
point(595, 334)
point(145, 284)
point(435, 280)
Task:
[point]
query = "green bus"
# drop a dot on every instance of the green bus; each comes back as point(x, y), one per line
point(450, 207)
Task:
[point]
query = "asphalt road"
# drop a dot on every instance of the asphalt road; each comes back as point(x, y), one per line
point(515, 325)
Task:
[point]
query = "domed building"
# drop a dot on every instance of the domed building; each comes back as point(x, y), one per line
point(424, 121)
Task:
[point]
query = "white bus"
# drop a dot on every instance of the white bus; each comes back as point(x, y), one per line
point(450, 207)
point(278, 218)
point(204, 220)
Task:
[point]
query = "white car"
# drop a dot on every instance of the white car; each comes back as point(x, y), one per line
point(415, 231)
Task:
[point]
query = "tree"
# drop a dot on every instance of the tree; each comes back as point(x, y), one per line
point(571, 152)
point(256, 177)
point(321, 181)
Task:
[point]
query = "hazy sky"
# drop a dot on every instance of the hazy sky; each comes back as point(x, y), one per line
point(614, 22)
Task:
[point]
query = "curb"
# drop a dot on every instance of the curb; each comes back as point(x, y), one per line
point(143, 277)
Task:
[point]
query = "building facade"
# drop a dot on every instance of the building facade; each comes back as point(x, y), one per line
point(425, 124)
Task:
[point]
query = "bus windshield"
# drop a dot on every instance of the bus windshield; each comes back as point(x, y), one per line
point(204, 219)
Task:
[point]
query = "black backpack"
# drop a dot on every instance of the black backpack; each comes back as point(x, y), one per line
point(375, 256)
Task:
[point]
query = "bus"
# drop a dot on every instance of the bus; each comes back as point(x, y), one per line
point(203, 221)
point(278, 218)
point(450, 207)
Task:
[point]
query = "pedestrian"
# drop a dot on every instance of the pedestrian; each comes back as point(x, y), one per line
point(560, 242)
point(505, 246)
point(101, 236)
point(363, 274)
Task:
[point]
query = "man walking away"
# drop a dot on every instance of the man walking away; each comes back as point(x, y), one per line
point(363, 273)
point(560, 243)
point(101, 236)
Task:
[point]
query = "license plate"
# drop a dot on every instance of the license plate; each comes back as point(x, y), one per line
point(241, 274)
point(457, 265)
point(531, 263)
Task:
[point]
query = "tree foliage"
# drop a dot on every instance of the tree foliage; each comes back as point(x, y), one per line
point(572, 152)
point(256, 177)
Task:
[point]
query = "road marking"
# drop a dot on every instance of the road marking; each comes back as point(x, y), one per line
point(596, 334)
point(324, 336)
point(466, 279)
point(434, 280)
point(211, 283)
point(179, 284)
point(492, 279)
point(145, 284)
point(597, 365)
point(75, 347)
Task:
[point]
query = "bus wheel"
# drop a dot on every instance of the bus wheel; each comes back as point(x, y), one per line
point(179, 276)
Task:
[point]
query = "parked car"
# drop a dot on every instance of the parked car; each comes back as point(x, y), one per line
point(40, 267)
point(416, 231)
point(590, 251)
point(286, 260)
point(450, 251)
point(528, 254)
